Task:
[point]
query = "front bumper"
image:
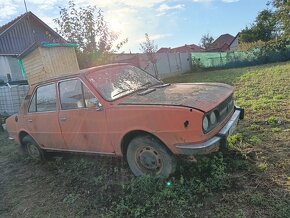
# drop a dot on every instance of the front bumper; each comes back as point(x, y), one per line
point(215, 142)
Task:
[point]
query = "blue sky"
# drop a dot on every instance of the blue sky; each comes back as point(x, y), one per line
point(170, 23)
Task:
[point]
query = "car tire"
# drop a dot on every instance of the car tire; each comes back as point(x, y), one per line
point(148, 156)
point(32, 148)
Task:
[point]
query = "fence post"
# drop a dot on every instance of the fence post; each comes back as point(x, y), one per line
point(169, 62)
point(190, 61)
point(180, 62)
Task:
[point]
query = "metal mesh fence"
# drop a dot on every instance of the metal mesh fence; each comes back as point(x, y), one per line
point(237, 58)
point(11, 98)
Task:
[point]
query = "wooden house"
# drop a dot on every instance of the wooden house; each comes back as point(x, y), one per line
point(48, 60)
point(19, 35)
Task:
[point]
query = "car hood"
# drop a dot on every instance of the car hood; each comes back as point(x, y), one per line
point(201, 96)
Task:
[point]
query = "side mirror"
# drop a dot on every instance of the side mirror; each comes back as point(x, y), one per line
point(94, 103)
point(99, 106)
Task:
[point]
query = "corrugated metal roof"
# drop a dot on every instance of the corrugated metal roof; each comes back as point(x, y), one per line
point(46, 45)
point(6, 26)
point(23, 32)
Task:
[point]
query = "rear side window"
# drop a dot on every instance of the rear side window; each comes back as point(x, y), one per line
point(44, 99)
point(73, 95)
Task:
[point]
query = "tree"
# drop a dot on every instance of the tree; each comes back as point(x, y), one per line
point(206, 41)
point(150, 48)
point(282, 14)
point(264, 28)
point(87, 27)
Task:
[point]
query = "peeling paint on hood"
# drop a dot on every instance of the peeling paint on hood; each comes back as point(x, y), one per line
point(201, 96)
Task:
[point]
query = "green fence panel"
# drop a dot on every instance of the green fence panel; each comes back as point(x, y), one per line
point(236, 58)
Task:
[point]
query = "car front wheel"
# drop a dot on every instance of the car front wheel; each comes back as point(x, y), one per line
point(147, 156)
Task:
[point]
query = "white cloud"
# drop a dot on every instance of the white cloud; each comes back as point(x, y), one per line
point(121, 3)
point(230, 1)
point(7, 9)
point(165, 7)
point(209, 1)
point(202, 1)
point(160, 36)
point(155, 37)
point(43, 4)
point(48, 20)
point(40, 4)
point(131, 18)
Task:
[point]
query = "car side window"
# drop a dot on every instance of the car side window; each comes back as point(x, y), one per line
point(32, 107)
point(90, 99)
point(44, 99)
point(73, 95)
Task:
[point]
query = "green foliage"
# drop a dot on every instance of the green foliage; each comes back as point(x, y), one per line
point(248, 46)
point(282, 15)
point(151, 197)
point(255, 140)
point(87, 27)
point(149, 48)
point(263, 29)
point(253, 53)
point(196, 65)
point(262, 166)
point(272, 120)
point(240, 214)
point(258, 199)
point(71, 198)
point(269, 24)
point(206, 41)
point(273, 51)
point(234, 139)
point(228, 76)
point(276, 129)
point(248, 180)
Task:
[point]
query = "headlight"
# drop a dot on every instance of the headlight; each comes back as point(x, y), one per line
point(205, 123)
point(212, 118)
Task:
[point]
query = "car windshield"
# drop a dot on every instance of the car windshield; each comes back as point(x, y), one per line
point(115, 82)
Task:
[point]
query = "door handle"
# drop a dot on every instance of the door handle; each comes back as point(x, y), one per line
point(62, 119)
point(30, 120)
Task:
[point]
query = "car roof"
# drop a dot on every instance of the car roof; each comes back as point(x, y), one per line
point(81, 72)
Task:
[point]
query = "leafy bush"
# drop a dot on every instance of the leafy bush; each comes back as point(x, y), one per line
point(234, 139)
point(272, 120)
point(196, 65)
point(179, 195)
point(255, 140)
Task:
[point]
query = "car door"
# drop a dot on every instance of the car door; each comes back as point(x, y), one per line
point(42, 117)
point(82, 118)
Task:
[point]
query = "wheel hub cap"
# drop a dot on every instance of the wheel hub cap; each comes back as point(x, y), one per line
point(33, 151)
point(149, 159)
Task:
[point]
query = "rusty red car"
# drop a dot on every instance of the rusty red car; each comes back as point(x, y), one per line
point(121, 110)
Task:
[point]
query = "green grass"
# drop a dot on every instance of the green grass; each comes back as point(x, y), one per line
point(224, 76)
point(250, 179)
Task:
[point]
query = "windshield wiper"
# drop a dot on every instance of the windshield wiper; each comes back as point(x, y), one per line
point(161, 85)
point(145, 84)
point(125, 90)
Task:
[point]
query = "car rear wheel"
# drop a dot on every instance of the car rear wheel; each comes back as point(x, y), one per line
point(147, 156)
point(32, 148)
